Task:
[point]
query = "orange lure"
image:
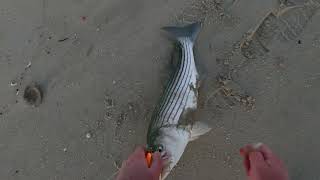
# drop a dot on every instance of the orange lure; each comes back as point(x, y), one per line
point(149, 159)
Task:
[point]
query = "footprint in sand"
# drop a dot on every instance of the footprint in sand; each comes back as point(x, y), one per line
point(292, 2)
point(285, 24)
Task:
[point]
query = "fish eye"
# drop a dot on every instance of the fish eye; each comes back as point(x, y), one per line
point(160, 148)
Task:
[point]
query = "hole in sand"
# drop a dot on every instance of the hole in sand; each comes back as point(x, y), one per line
point(33, 95)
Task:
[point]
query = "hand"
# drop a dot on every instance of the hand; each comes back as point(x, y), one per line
point(136, 168)
point(261, 164)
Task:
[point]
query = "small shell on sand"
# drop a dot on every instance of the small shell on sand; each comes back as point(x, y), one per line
point(28, 65)
point(13, 83)
point(88, 135)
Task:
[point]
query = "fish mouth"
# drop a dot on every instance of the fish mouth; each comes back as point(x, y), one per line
point(166, 157)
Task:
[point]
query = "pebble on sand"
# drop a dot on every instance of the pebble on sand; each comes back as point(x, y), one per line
point(88, 135)
point(28, 65)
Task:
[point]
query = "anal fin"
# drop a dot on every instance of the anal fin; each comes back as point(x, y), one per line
point(198, 129)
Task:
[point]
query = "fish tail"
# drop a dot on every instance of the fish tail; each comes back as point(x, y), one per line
point(189, 32)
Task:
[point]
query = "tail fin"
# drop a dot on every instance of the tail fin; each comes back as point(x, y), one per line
point(190, 31)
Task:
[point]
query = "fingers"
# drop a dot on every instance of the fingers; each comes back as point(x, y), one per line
point(256, 158)
point(249, 151)
point(246, 164)
point(244, 152)
point(157, 164)
point(269, 156)
point(257, 162)
point(139, 152)
point(266, 151)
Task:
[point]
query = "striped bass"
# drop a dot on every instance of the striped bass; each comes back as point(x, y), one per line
point(166, 133)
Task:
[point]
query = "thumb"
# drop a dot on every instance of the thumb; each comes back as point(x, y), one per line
point(266, 152)
point(256, 159)
point(157, 164)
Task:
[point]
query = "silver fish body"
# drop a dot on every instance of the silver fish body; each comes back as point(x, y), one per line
point(165, 133)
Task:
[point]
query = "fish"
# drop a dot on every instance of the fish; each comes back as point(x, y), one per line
point(166, 133)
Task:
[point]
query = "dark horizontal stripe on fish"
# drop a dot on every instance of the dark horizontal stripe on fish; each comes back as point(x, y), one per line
point(164, 97)
point(187, 88)
point(183, 103)
point(179, 90)
point(170, 94)
point(171, 85)
point(179, 103)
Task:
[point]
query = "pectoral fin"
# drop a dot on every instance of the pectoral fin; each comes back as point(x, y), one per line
point(198, 129)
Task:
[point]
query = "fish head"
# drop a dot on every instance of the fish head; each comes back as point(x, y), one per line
point(171, 143)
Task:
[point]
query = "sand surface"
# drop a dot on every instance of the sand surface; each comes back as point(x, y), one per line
point(103, 64)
